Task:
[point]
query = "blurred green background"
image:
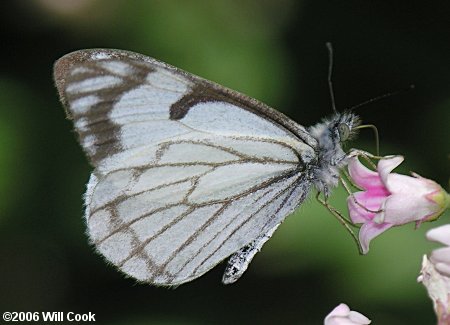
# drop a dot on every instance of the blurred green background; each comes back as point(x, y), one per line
point(273, 50)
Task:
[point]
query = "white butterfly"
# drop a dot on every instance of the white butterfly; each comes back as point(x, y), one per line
point(187, 172)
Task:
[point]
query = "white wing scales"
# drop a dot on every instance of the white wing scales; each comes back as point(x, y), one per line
point(181, 241)
point(186, 172)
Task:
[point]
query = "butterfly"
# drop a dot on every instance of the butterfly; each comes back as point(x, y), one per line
point(187, 172)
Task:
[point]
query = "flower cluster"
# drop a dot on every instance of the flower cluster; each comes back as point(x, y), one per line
point(389, 199)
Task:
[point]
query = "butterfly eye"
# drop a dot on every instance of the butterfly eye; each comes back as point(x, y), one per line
point(344, 131)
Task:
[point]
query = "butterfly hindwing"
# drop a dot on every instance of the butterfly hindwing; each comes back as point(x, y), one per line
point(186, 172)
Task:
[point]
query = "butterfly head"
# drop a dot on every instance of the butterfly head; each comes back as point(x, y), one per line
point(333, 132)
point(343, 126)
point(330, 134)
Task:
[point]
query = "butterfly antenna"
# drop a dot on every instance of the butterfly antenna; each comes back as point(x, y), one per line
point(330, 72)
point(382, 96)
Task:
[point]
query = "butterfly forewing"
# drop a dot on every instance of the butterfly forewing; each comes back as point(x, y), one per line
point(186, 172)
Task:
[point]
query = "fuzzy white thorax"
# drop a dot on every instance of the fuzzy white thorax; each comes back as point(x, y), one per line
point(331, 156)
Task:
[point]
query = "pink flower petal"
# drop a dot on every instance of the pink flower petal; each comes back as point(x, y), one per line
point(440, 234)
point(369, 231)
point(362, 176)
point(441, 255)
point(429, 183)
point(443, 268)
point(342, 315)
point(357, 213)
point(371, 200)
point(386, 165)
point(407, 185)
point(341, 310)
point(358, 318)
point(400, 209)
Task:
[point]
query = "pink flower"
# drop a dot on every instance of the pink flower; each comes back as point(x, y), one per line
point(435, 274)
point(438, 287)
point(440, 257)
point(391, 199)
point(342, 315)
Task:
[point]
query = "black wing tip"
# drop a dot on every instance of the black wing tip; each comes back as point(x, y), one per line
point(67, 61)
point(64, 65)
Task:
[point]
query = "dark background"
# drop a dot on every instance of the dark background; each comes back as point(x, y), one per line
point(274, 51)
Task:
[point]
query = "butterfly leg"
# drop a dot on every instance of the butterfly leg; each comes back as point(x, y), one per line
point(239, 261)
point(342, 220)
point(367, 156)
